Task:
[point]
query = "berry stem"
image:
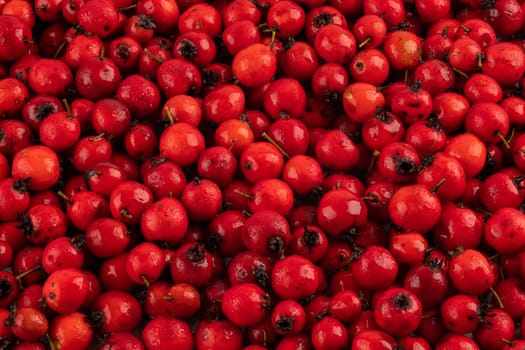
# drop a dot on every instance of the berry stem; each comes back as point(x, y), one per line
point(155, 58)
point(145, 281)
point(373, 160)
point(63, 196)
point(364, 42)
point(126, 8)
point(27, 272)
point(60, 49)
point(243, 194)
point(503, 139)
point(170, 117)
point(437, 186)
point(67, 107)
point(52, 343)
point(267, 137)
point(460, 72)
point(498, 299)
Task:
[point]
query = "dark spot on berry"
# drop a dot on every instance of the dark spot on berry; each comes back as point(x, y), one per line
point(5, 287)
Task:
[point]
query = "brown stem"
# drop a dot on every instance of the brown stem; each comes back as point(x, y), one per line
point(155, 58)
point(503, 139)
point(364, 42)
point(267, 137)
point(498, 299)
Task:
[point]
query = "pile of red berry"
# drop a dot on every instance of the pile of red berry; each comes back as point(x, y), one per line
point(262, 174)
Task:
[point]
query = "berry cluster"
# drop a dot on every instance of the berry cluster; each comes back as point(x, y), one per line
point(267, 174)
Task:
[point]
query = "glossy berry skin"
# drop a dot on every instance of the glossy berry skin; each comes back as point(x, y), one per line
point(9, 290)
point(505, 62)
point(294, 277)
point(426, 137)
point(223, 103)
point(63, 252)
point(15, 198)
point(202, 199)
point(503, 231)
point(372, 339)
point(66, 290)
point(216, 334)
point(458, 226)
point(123, 339)
point(146, 263)
point(113, 275)
point(43, 223)
point(71, 331)
point(309, 241)
point(415, 208)
point(119, 311)
point(398, 311)
point(182, 108)
point(428, 281)
point(245, 304)
point(469, 150)
point(106, 237)
point(402, 49)
point(196, 47)
point(50, 77)
point(340, 210)
point(360, 101)
point(291, 135)
point(375, 269)
point(383, 129)
point(192, 264)
point(398, 161)
point(455, 341)
point(85, 206)
point(97, 78)
point(370, 66)
point(254, 65)
point(288, 317)
point(165, 220)
point(181, 143)
point(470, 272)
point(128, 201)
point(303, 174)
point(16, 33)
point(38, 163)
point(271, 194)
point(167, 332)
point(334, 146)
point(29, 324)
point(408, 247)
point(140, 141)
point(285, 97)
point(248, 267)
point(239, 35)
point(183, 300)
point(111, 117)
point(460, 313)
point(165, 179)
point(441, 167)
point(16, 135)
point(501, 190)
point(329, 333)
point(412, 104)
point(488, 121)
point(234, 134)
point(499, 325)
point(345, 306)
point(60, 131)
point(141, 96)
point(266, 232)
